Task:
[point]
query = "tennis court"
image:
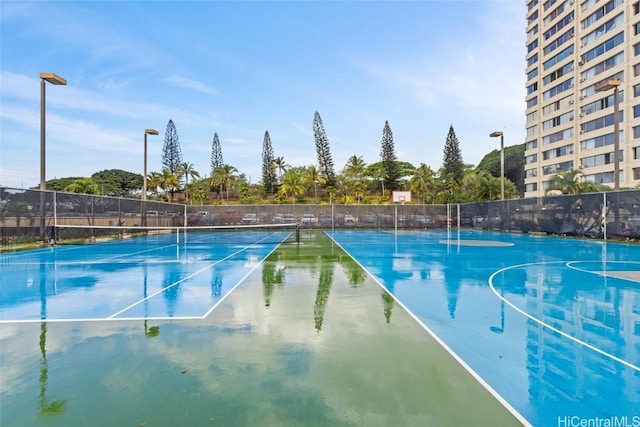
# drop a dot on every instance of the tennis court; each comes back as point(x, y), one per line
point(501, 329)
point(551, 324)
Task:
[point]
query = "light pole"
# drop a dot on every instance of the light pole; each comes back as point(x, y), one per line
point(144, 176)
point(501, 135)
point(54, 80)
point(604, 86)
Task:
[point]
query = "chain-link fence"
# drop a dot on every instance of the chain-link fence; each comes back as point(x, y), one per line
point(32, 215)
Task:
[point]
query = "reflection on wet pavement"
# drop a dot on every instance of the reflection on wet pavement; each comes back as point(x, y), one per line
point(307, 340)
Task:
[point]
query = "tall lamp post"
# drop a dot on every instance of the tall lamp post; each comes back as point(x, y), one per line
point(144, 176)
point(501, 135)
point(601, 87)
point(54, 80)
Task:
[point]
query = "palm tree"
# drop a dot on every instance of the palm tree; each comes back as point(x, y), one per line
point(292, 184)
point(223, 175)
point(567, 182)
point(169, 182)
point(422, 182)
point(199, 193)
point(355, 168)
point(281, 166)
point(313, 175)
point(353, 173)
point(154, 179)
point(187, 171)
point(83, 186)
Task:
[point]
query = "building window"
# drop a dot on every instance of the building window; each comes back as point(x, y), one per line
point(558, 136)
point(636, 153)
point(532, 88)
point(566, 85)
point(557, 152)
point(636, 132)
point(559, 25)
point(558, 42)
point(530, 145)
point(599, 141)
point(602, 30)
point(600, 12)
point(531, 173)
point(636, 173)
point(599, 123)
point(602, 66)
point(533, 158)
point(532, 60)
point(546, 5)
point(552, 169)
point(554, 14)
point(600, 178)
point(601, 104)
point(558, 120)
point(532, 102)
point(531, 187)
point(558, 73)
point(559, 57)
point(603, 47)
point(636, 111)
point(532, 45)
point(556, 105)
point(599, 160)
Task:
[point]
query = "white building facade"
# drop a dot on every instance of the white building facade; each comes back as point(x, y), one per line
point(572, 46)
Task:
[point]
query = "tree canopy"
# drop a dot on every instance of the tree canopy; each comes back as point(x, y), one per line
point(269, 178)
point(390, 172)
point(323, 151)
point(513, 165)
point(453, 165)
point(171, 152)
point(117, 182)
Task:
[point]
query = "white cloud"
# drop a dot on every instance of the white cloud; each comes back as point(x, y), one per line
point(186, 83)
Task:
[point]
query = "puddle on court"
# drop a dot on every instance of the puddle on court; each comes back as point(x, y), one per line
point(307, 339)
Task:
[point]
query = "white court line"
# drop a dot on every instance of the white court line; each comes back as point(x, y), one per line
point(192, 275)
point(546, 325)
point(605, 273)
point(224, 297)
point(453, 354)
point(112, 317)
point(88, 262)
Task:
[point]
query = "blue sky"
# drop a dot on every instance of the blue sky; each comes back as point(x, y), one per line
point(239, 69)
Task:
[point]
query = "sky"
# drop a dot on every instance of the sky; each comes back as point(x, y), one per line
point(240, 68)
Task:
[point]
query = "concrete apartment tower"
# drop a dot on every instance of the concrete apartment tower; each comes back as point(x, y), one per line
point(580, 54)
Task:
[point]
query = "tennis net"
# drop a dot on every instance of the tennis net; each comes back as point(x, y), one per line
point(193, 235)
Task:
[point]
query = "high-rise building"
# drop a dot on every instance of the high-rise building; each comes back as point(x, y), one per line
point(580, 54)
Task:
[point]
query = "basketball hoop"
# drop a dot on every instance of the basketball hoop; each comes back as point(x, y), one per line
point(401, 197)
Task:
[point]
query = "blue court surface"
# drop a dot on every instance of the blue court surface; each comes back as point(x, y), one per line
point(550, 326)
point(174, 280)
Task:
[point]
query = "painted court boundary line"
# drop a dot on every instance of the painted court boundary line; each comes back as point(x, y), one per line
point(453, 354)
point(112, 317)
point(546, 325)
